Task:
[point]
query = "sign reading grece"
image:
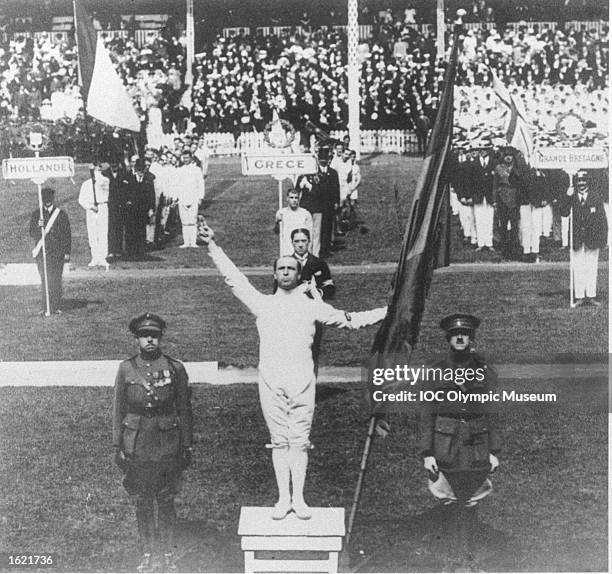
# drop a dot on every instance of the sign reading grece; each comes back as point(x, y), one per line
point(279, 164)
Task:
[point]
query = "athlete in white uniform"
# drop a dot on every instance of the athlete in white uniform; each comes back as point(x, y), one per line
point(286, 326)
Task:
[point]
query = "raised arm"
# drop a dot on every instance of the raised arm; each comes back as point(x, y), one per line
point(240, 285)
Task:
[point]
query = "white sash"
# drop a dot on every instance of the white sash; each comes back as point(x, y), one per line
point(48, 227)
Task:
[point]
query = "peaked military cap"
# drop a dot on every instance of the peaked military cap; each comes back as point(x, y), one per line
point(147, 322)
point(460, 322)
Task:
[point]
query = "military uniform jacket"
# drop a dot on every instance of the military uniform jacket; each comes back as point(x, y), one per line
point(589, 220)
point(59, 239)
point(152, 418)
point(459, 435)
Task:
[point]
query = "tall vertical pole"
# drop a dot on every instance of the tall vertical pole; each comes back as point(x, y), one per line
point(440, 29)
point(281, 224)
point(353, 77)
point(190, 31)
point(44, 246)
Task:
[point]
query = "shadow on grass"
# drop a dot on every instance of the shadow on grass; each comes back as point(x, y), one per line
point(74, 304)
point(325, 393)
point(426, 542)
point(204, 548)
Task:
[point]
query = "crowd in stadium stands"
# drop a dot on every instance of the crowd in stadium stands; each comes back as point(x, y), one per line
point(239, 80)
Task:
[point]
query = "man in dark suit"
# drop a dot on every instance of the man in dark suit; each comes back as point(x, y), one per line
point(329, 193)
point(58, 241)
point(139, 209)
point(317, 271)
point(482, 196)
point(116, 208)
point(321, 196)
point(590, 234)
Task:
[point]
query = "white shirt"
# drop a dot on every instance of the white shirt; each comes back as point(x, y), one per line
point(86, 195)
point(286, 326)
point(292, 219)
point(189, 184)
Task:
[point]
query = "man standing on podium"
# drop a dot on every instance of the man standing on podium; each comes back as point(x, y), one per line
point(286, 326)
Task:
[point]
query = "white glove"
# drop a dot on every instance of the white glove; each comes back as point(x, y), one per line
point(493, 461)
point(430, 464)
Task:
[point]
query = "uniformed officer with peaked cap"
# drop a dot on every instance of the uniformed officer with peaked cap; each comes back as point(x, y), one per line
point(460, 322)
point(152, 435)
point(458, 438)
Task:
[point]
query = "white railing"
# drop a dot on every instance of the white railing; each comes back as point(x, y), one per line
point(365, 31)
point(372, 141)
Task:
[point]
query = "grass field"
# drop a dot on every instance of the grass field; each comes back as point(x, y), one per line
point(62, 494)
point(242, 211)
point(526, 318)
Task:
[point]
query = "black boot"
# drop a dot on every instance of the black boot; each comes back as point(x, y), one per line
point(167, 523)
point(146, 529)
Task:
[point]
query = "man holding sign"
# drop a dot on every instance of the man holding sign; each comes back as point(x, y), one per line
point(56, 227)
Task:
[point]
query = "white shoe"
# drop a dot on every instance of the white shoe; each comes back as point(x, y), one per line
point(280, 510)
point(92, 263)
point(183, 246)
point(302, 510)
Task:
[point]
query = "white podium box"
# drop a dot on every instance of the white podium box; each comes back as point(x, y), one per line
point(288, 539)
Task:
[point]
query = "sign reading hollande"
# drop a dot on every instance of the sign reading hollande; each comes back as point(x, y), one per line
point(278, 164)
point(568, 158)
point(37, 168)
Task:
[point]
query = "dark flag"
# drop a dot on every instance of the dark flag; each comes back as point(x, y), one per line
point(426, 240)
point(86, 39)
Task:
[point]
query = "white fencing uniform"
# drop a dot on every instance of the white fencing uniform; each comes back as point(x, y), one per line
point(96, 213)
point(286, 326)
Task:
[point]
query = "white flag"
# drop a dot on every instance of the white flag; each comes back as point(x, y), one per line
point(108, 100)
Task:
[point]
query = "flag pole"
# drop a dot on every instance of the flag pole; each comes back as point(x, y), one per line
point(362, 470)
point(411, 230)
point(44, 245)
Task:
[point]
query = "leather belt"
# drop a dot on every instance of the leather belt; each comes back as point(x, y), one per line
point(151, 411)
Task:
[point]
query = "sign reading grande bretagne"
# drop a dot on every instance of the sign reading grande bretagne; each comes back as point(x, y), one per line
point(37, 168)
point(279, 164)
point(569, 158)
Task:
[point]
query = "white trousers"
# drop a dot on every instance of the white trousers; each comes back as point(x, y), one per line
point(585, 272)
point(565, 231)
point(483, 223)
point(531, 228)
point(466, 217)
point(454, 202)
point(316, 234)
point(189, 219)
point(97, 234)
point(547, 220)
